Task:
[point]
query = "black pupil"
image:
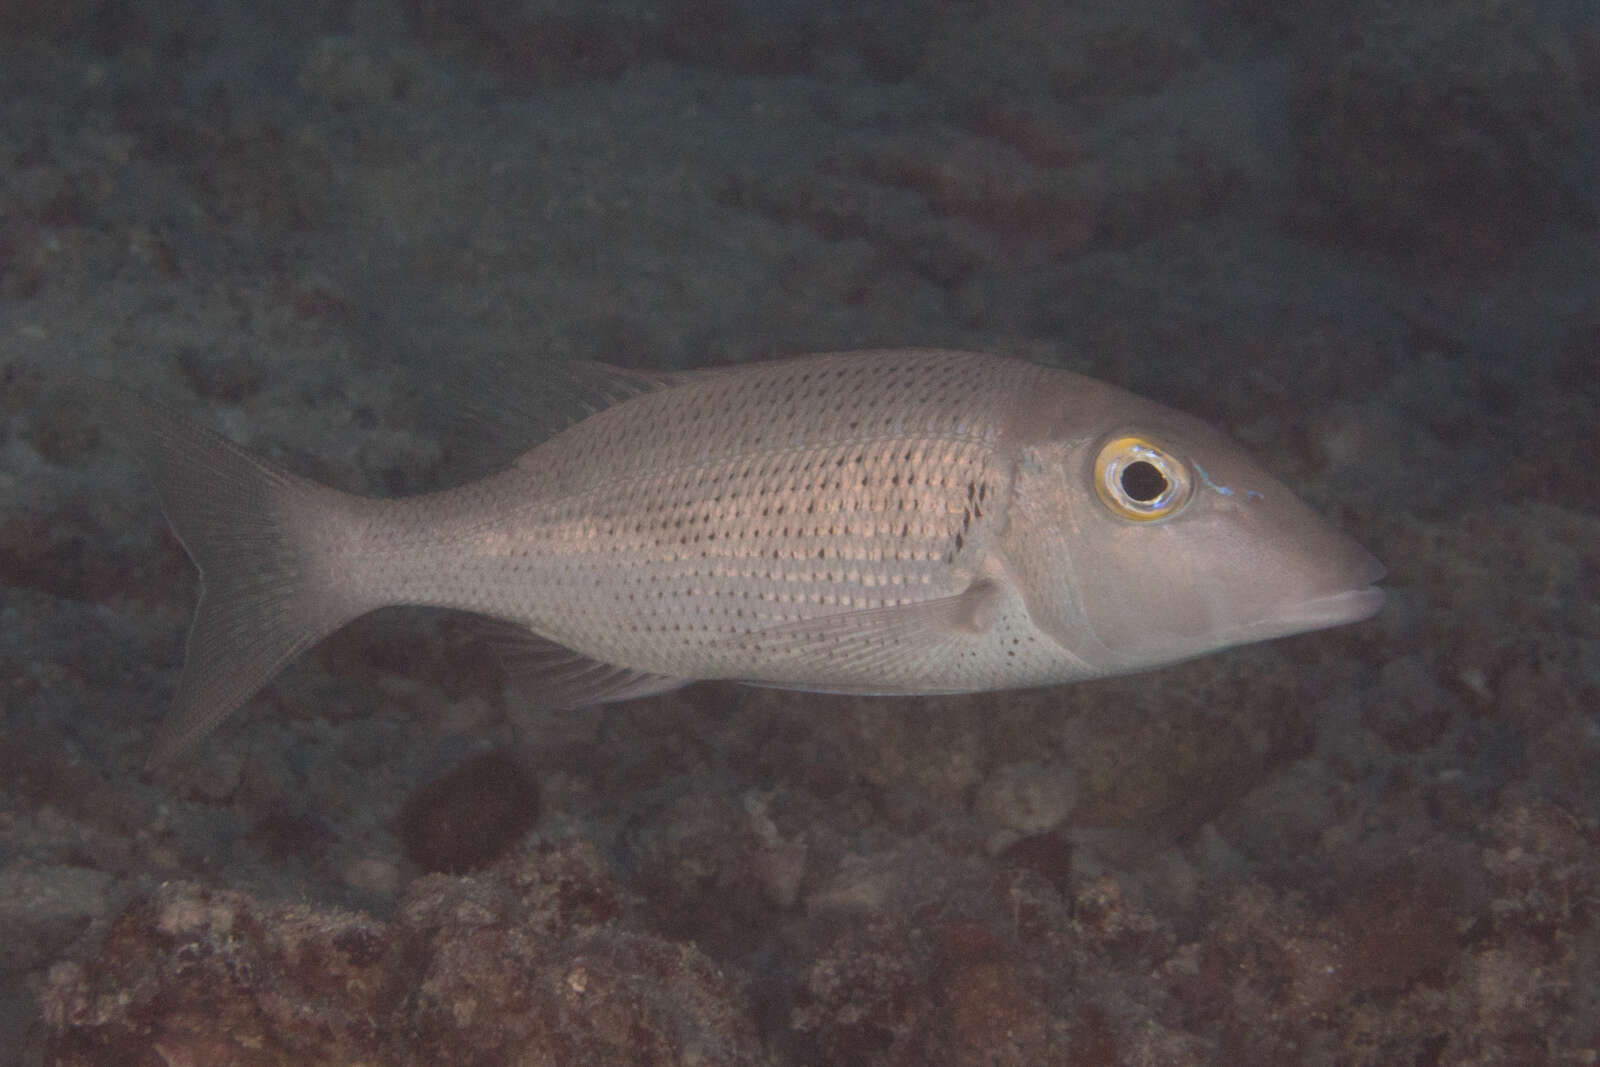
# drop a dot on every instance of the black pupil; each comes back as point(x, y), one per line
point(1142, 481)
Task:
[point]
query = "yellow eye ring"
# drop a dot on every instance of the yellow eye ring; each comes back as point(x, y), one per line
point(1139, 480)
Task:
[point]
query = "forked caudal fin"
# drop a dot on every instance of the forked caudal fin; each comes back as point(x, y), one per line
point(267, 545)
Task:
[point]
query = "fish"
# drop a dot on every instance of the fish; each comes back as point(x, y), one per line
point(883, 522)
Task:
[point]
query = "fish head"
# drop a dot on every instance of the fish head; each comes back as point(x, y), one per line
point(1166, 540)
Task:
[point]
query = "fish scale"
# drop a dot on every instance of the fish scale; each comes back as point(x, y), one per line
point(661, 531)
point(899, 521)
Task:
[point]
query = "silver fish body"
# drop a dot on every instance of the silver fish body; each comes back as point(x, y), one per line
point(899, 521)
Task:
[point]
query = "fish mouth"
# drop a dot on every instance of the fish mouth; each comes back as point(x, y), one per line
point(1359, 599)
point(1337, 609)
point(1353, 599)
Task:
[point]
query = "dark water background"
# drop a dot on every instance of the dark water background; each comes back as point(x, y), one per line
point(1360, 236)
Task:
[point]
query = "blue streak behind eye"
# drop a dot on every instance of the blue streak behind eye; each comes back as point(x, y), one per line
point(1250, 494)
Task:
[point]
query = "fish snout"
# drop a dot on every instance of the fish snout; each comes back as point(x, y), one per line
point(1338, 586)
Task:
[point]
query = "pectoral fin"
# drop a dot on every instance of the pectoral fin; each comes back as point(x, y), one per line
point(878, 640)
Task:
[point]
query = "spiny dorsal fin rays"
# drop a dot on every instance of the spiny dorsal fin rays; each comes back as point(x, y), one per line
point(614, 384)
point(500, 408)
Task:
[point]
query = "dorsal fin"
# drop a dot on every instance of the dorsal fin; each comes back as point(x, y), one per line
point(498, 409)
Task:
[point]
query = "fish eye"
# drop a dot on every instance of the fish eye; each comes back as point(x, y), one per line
point(1139, 480)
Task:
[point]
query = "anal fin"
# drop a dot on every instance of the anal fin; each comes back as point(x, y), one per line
point(560, 678)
